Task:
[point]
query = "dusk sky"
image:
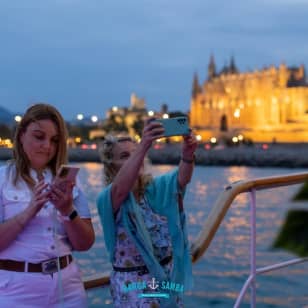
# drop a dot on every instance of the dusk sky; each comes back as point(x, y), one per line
point(87, 56)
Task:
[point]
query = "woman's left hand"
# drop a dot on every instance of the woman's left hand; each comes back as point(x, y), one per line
point(80, 231)
point(189, 146)
point(62, 197)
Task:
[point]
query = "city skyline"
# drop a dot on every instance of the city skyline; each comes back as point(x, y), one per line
point(85, 57)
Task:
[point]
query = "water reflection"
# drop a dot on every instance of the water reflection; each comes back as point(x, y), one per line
point(234, 174)
point(201, 188)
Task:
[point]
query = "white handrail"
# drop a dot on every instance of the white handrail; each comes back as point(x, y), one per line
point(220, 209)
point(225, 200)
point(263, 270)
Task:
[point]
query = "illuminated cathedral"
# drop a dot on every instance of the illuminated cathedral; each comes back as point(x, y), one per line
point(265, 105)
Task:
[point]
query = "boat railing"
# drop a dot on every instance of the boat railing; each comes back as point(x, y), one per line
point(216, 216)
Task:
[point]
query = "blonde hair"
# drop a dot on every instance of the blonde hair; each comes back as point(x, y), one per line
point(107, 158)
point(35, 113)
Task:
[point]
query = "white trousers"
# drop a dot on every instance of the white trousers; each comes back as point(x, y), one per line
point(29, 290)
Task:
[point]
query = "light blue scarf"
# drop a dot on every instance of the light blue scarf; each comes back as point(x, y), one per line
point(162, 195)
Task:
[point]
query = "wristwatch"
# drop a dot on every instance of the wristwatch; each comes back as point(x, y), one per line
point(70, 217)
point(189, 161)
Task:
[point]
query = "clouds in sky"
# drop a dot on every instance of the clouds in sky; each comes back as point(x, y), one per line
point(86, 56)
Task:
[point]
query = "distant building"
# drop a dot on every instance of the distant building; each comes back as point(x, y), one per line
point(136, 112)
point(264, 105)
point(136, 102)
point(119, 119)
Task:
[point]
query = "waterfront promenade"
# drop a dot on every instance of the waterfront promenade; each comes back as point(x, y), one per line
point(262, 155)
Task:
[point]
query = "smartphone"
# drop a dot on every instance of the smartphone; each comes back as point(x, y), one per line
point(64, 174)
point(175, 126)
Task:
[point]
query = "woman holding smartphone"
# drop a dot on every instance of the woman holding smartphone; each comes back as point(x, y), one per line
point(144, 222)
point(40, 224)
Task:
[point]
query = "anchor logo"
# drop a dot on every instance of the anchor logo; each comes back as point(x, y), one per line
point(153, 284)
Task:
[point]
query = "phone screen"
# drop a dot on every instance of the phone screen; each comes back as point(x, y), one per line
point(64, 174)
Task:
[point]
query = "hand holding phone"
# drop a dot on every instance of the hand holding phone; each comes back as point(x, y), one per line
point(177, 126)
point(65, 174)
point(61, 188)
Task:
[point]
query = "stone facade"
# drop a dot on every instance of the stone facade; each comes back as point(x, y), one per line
point(263, 105)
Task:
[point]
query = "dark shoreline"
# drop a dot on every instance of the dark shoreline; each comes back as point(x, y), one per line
point(276, 155)
point(259, 155)
point(75, 155)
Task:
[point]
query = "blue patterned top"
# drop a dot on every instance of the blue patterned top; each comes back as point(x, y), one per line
point(126, 253)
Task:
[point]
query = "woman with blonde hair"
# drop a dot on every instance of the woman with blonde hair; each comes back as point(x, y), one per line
point(144, 222)
point(40, 223)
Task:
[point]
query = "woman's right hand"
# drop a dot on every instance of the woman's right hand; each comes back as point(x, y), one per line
point(152, 130)
point(10, 228)
point(41, 195)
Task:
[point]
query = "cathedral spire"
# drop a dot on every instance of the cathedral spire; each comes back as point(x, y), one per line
point(233, 68)
point(196, 89)
point(211, 68)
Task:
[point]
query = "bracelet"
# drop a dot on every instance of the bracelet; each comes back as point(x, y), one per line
point(69, 217)
point(188, 161)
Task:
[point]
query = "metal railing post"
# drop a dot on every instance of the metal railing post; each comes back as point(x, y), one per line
point(253, 241)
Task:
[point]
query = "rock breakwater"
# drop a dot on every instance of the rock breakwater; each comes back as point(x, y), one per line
point(261, 155)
